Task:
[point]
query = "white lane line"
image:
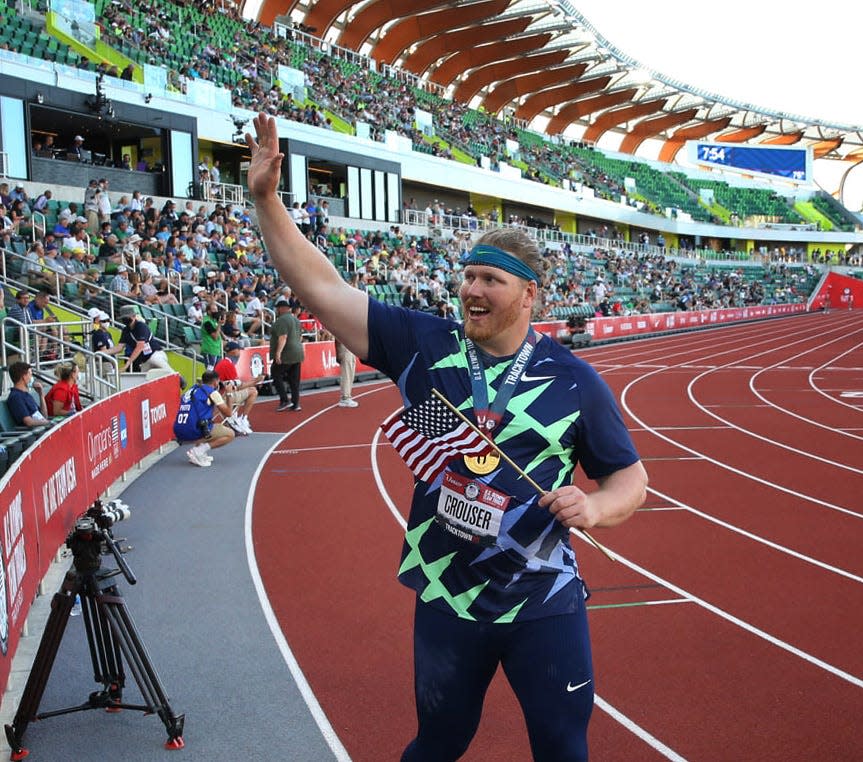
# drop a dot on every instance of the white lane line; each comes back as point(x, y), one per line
point(327, 731)
point(637, 730)
point(298, 450)
point(757, 538)
point(814, 660)
point(317, 712)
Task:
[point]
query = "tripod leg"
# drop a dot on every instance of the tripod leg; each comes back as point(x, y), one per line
point(104, 653)
point(61, 606)
point(113, 608)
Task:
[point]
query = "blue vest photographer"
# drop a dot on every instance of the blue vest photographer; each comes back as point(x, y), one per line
point(195, 423)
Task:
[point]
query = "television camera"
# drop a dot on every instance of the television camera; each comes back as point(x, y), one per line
point(111, 634)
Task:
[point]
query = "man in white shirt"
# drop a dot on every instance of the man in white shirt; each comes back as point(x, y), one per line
point(254, 313)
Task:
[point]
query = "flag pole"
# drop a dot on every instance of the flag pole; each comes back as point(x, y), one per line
point(605, 551)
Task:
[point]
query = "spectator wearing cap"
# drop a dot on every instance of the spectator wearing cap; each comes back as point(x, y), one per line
point(142, 351)
point(76, 149)
point(19, 194)
point(241, 395)
point(120, 282)
point(195, 310)
point(100, 338)
point(286, 355)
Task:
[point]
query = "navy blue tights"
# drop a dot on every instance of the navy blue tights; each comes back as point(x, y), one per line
point(547, 662)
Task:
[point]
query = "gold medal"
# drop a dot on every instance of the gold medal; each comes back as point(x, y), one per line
point(482, 464)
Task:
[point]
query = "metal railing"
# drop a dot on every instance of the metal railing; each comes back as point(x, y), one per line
point(102, 297)
point(38, 225)
point(44, 346)
point(460, 223)
point(222, 192)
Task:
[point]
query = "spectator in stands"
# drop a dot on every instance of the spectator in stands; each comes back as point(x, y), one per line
point(253, 315)
point(42, 202)
point(34, 269)
point(63, 398)
point(211, 334)
point(240, 395)
point(120, 282)
point(76, 150)
point(194, 422)
point(100, 337)
point(18, 310)
point(231, 331)
point(195, 310)
point(164, 293)
point(23, 407)
point(286, 355)
point(42, 316)
point(142, 351)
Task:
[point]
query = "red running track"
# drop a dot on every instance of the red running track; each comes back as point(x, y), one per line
point(729, 627)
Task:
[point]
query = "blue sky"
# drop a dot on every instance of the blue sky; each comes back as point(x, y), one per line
point(799, 61)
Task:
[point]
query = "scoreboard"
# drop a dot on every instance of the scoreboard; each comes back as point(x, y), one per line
point(789, 162)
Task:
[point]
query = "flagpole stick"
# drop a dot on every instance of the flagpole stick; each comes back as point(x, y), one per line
point(607, 553)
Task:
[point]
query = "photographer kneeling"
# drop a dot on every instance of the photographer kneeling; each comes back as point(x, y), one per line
point(195, 419)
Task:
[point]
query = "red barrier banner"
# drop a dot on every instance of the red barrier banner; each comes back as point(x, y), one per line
point(59, 477)
point(635, 325)
point(841, 292)
point(320, 361)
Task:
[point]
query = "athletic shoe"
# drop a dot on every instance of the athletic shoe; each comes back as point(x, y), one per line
point(348, 403)
point(284, 406)
point(234, 423)
point(296, 409)
point(240, 425)
point(198, 458)
point(247, 427)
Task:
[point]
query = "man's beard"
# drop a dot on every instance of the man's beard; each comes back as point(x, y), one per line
point(497, 322)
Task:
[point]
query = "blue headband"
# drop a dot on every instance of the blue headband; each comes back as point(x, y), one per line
point(492, 256)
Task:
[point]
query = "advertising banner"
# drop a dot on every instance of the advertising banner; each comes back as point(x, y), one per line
point(320, 362)
point(59, 477)
point(635, 325)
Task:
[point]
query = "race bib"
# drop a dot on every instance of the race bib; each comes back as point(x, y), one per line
point(470, 510)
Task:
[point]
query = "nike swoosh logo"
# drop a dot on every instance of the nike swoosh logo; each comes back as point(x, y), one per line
point(525, 377)
point(570, 687)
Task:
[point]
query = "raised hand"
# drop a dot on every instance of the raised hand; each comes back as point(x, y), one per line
point(265, 168)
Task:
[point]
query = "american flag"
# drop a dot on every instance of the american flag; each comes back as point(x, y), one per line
point(429, 435)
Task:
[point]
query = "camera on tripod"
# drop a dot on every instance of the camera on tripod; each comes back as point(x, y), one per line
point(111, 634)
point(89, 538)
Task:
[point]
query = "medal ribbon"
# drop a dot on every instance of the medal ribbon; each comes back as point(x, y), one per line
point(488, 416)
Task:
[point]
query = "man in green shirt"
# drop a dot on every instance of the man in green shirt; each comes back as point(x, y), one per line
point(211, 336)
point(286, 355)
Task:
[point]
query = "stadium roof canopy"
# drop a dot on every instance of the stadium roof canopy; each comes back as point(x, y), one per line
point(542, 62)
